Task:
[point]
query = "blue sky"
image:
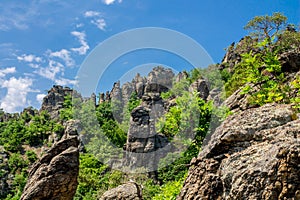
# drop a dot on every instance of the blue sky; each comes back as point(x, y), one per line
point(44, 42)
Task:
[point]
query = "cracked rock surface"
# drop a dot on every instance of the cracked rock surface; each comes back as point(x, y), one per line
point(254, 154)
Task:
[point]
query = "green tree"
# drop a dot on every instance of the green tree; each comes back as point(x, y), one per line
point(67, 112)
point(267, 26)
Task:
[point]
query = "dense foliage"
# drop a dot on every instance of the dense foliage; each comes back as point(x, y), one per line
point(258, 74)
point(261, 75)
point(21, 136)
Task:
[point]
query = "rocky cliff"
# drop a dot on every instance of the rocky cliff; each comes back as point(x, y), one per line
point(54, 176)
point(143, 141)
point(54, 100)
point(253, 155)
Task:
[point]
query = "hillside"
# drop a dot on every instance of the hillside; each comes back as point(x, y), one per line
point(230, 131)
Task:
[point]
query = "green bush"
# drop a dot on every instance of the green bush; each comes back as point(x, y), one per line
point(170, 190)
point(31, 156)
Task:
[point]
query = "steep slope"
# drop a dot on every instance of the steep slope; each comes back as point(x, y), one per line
point(54, 176)
point(253, 155)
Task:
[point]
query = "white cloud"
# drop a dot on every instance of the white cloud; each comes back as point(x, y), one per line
point(29, 58)
point(108, 2)
point(91, 13)
point(64, 55)
point(40, 97)
point(17, 90)
point(100, 23)
point(79, 25)
point(8, 70)
point(96, 20)
point(64, 81)
point(51, 71)
point(33, 65)
point(82, 40)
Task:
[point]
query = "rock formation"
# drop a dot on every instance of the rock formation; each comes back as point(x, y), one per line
point(290, 61)
point(54, 176)
point(234, 52)
point(128, 191)
point(201, 87)
point(237, 101)
point(116, 93)
point(54, 100)
point(144, 145)
point(159, 80)
point(127, 90)
point(254, 154)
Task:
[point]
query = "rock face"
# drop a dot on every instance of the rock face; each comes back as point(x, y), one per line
point(54, 100)
point(54, 176)
point(234, 52)
point(254, 154)
point(237, 101)
point(143, 142)
point(144, 146)
point(116, 93)
point(201, 87)
point(290, 61)
point(128, 191)
point(159, 80)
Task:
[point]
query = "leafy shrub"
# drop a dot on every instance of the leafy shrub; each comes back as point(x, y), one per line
point(170, 190)
point(16, 162)
point(31, 156)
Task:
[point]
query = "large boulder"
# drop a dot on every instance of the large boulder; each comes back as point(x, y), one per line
point(127, 191)
point(54, 176)
point(254, 154)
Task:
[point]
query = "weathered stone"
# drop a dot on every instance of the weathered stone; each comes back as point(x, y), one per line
point(54, 100)
point(290, 61)
point(234, 52)
point(127, 90)
point(254, 154)
point(107, 96)
point(127, 191)
point(237, 101)
point(4, 117)
point(116, 94)
point(143, 142)
point(29, 111)
point(139, 84)
point(93, 98)
point(72, 127)
point(181, 76)
point(101, 98)
point(215, 96)
point(200, 86)
point(54, 176)
point(144, 146)
point(159, 80)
